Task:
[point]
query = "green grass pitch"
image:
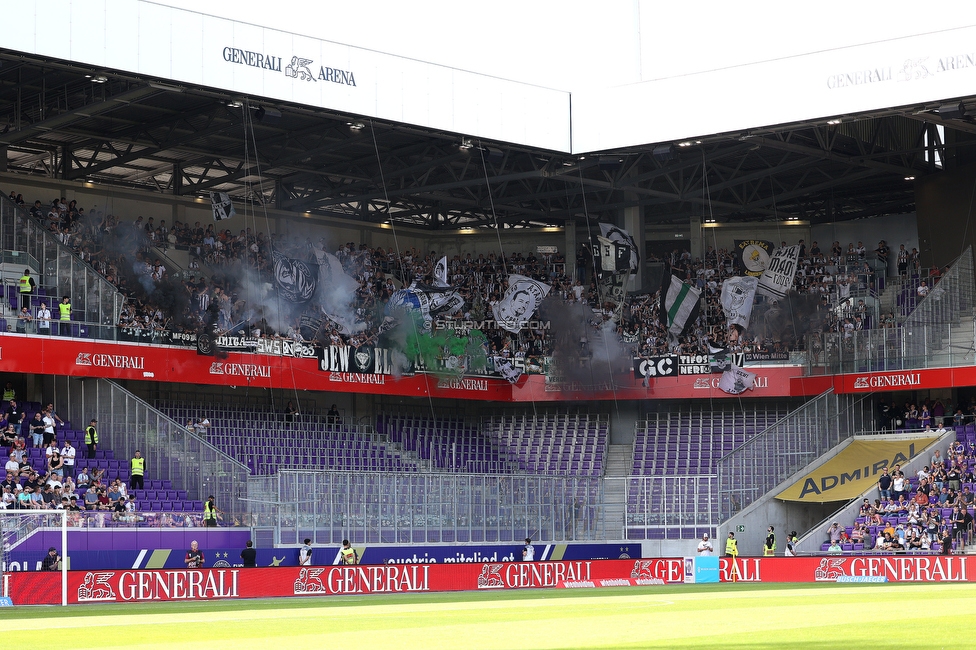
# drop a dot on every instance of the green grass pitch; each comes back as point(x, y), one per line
point(794, 617)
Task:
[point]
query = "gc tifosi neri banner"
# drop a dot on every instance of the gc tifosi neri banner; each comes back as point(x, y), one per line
point(738, 294)
point(618, 245)
point(679, 304)
point(222, 206)
point(752, 255)
point(663, 366)
point(515, 309)
point(777, 280)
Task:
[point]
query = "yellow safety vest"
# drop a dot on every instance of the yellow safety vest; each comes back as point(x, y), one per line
point(731, 547)
point(209, 512)
point(9, 394)
point(65, 311)
point(769, 550)
point(138, 466)
point(25, 284)
point(348, 555)
point(91, 436)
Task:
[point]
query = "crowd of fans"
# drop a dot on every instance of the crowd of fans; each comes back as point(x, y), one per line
point(63, 477)
point(930, 510)
point(834, 288)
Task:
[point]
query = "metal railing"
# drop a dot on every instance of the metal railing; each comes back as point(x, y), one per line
point(938, 333)
point(769, 458)
point(172, 452)
point(94, 299)
point(397, 508)
point(670, 507)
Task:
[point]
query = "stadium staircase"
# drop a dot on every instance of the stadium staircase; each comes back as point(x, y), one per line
point(620, 460)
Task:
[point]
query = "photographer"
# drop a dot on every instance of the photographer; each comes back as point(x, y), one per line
point(51, 561)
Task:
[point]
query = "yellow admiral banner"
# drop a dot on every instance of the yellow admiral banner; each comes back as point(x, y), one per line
point(855, 469)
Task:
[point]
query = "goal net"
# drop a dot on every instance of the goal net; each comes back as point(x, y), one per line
point(27, 536)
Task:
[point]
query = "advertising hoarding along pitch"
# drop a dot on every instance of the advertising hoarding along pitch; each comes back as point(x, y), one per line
point(44, 588)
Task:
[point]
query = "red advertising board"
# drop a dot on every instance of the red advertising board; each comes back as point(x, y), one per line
point(85, 358)
point(895, 568)
point(922, 379)
point(36, 588)
point(32, 587)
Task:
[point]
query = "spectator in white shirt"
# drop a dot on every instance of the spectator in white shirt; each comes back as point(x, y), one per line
point(68, 455)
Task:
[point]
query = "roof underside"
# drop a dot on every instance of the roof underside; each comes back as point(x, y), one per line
point(64, 121)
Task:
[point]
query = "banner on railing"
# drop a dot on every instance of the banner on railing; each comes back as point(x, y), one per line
point(75, 357)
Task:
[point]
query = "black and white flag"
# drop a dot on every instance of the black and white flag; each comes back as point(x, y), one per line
point(508, 371)
point(718, 357)
point(735, 380)
point(777, 280)
point(223, 207)
point(738, 296)
point(295, 279)
point(624, 256)
point(519, 303)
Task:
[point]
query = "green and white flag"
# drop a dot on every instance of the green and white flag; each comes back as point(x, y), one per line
point(679, 304)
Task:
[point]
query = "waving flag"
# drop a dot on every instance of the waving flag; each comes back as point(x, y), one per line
point(619, 251)
point(680, 304)
point(735, 380)
point(519, 303)
point(738, 295)
point(223, 207)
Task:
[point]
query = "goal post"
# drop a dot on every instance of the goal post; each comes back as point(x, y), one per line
point(26, 536)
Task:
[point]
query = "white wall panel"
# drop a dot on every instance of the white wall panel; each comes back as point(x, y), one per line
point(88, 22)
point(907, 70)
point(121, 35)
point(155, 39)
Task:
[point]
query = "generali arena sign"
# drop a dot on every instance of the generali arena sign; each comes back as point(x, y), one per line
point(44, 588)
point(84, 358)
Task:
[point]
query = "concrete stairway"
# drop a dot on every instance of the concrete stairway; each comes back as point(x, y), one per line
point(620, 463)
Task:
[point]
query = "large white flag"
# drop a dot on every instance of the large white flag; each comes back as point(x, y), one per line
point(735, 380)
point(777, 280)
point(738, 295)
point(519, 303)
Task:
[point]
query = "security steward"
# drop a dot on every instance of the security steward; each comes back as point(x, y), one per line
point(91, 438)
point(731, 546)
point(65, 316)
point(26, 285)
point(348, 553)
point(137, 468)
point(210, 512)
